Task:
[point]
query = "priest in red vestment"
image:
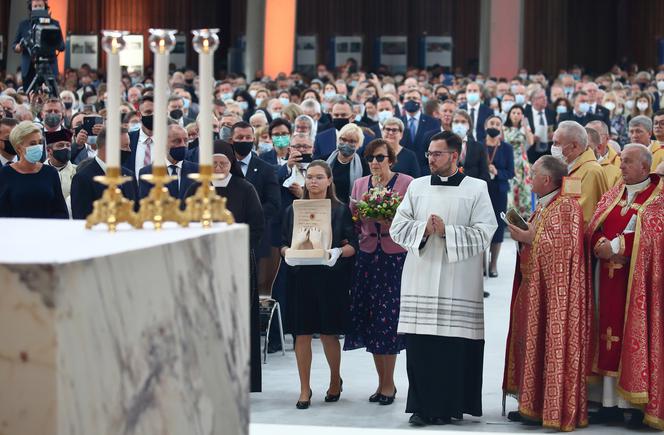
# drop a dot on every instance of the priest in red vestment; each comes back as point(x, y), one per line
point(548, 346)
point(626, 237)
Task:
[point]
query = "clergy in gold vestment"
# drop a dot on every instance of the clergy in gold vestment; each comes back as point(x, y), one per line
point(570, 143)
point(626, 237)
point(657, 145)
point(548, 345)
point(608, 158)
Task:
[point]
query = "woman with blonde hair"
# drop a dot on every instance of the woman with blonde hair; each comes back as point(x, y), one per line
point(347, 166)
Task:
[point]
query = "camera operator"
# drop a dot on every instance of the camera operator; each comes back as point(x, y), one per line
point(23, 34)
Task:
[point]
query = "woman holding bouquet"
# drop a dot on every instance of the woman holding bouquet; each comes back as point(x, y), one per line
point(375, 294)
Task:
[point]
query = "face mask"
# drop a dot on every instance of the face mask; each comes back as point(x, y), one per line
point(264, 147)
point(243, 148)
point(124, 156)
point(629, 104)
point(284, 101)
point(346, 149)
point(561, 109)
point(176, 114)
point(135, 126)
point(243, 105)
point(384, 115)
point(275, 115)
point(584, 107)
point(259, 101)
point(618, 111)
point(494, 102)
point(642, 106)
point(523, 76)
point(189, 81)
point(253, 93)
point(187, 103)
point(9, 148)
point(557, 152)
point(358, 118)
point(339, 123)
point(330, 94)
point(68, 105)
point(411, 106)
point(92, 140)
point(443, 97)
point(33, 153)
point(226, 96)
point(492, 132)
point(569, 90)
point(660, 85)
point(473, 98)
point(52, 120)
point(281, 141)
point(424, 99)
point(177, 153)
point(147, 121)
point(460, 130)
point(62, 155)
point(507, 105)
point(224, 133)
point(610, 105)
point(520, 99)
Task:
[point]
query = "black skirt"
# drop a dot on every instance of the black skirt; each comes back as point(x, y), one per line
point(444, 375)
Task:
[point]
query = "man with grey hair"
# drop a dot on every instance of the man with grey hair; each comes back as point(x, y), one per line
point(552, 340)
point(8, 106)
point(312, 109)
point(597, 110)
point(628, 244)
point(640, 130)
point(258, 120)
point(541, 120)
point(587, 179)
point(612, 173)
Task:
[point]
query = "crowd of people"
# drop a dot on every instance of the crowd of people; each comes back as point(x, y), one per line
point(578, 158)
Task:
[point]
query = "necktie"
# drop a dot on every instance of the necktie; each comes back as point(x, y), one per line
point(541, 121)
point(472, 116)
point(243, 165)
point(591, 111)
point(174, 186)
point(413, 128)
point(148, 152)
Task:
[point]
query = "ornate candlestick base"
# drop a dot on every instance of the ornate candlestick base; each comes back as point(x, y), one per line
point(206, 206)
point(112, 208)
point(159, 206)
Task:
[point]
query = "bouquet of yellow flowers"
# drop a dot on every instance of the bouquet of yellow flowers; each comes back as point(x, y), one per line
point(378, 203)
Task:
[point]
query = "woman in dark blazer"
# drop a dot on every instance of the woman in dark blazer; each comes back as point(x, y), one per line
point(473, 159)
point(318, 296)
point(501, 170)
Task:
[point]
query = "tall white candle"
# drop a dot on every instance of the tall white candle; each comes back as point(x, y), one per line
point(160, 131)
point(205, 43)
point(113, 42)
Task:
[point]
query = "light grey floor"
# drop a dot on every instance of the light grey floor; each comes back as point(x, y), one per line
point(276, 404)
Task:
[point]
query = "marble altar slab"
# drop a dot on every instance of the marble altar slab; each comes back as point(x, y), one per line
point(138, 332)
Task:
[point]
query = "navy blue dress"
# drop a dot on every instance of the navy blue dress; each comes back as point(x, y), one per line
point(407, 163)
point(502, 157)
point(37, 195)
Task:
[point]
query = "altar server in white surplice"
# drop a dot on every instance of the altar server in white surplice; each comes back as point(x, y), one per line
point(446, 222)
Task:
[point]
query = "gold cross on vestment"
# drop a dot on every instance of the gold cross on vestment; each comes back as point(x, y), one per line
point(613, 266)
point(610, 338)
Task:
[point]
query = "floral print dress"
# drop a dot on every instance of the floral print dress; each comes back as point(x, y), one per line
point(520, 196)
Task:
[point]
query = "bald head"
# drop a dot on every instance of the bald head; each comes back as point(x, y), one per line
point(635, 163)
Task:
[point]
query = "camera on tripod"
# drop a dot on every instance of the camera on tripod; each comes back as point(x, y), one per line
point(42, 44)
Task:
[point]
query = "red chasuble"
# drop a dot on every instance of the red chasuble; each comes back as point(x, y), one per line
point(547, 355)
point(630, 342)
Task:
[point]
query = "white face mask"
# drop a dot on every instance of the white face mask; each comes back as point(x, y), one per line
point(507, 105)
point(642, 106)
point(557, 152)
point(384, 115)
point(460, 130)
point(660, 85)
point(629, 104)
point(610, 105)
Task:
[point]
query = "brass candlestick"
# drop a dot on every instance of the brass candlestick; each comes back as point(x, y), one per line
point(112, 208)
point(206, 206)
point(159, 206)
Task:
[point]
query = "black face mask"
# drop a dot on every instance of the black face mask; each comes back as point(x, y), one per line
point(189, 81)
point(63, 155)
point(8, 114)
point(68, 105)
point(339, 123)
point(492, 132)
point(124, 156)
point(176, 114)
point(443, 97)
point(147, 121)
point(193, 144)
point(243, 148)
point(9, 148)
point(306, 158)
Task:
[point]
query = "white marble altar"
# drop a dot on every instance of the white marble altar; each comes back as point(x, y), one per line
point(138, 332)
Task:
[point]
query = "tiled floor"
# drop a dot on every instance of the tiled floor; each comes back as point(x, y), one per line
point(276, 405)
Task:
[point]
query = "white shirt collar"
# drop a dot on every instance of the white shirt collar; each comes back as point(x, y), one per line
point(473, 106)
point(638, 186)
point(101, 163)
point(571, 165)
point(445, 179)
point(604, 157)
point(546, 199)
point(416, 116)
point(4, 161)
point(247, 159)
point(178, 164)
point(142, 137)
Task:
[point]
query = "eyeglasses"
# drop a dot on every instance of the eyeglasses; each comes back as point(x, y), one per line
point(436, 154)
point(281, 134)
point(348, 140)
point(658, 123)
point(301, 147)
point(391, 130)
point(379, 158)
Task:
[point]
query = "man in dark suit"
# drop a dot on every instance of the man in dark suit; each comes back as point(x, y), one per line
point(477, 110)
point(342, 114)
point(596, 109)
point(581, 111)
point(23, 34)
point(176, 165)
point(417, 127)
point(140, 141)
point(85, 190)
point(541, 120)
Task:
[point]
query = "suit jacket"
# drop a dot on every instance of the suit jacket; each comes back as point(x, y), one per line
point(571, 116)
point(326, 142)
point(175, 191)
point(503, 160)
point(476, 163)
point(133, 145)
point(264, 178)
point(539, 149)
point(23, 32)
point(426, 128)
point(484, 112)
point(85, 191)
point(270, 157)
point(603, 114)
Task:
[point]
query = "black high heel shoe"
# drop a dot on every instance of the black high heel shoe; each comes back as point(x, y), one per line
point(375, 397)
point(335, 397)
point(304, 404)
point(387, 400)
